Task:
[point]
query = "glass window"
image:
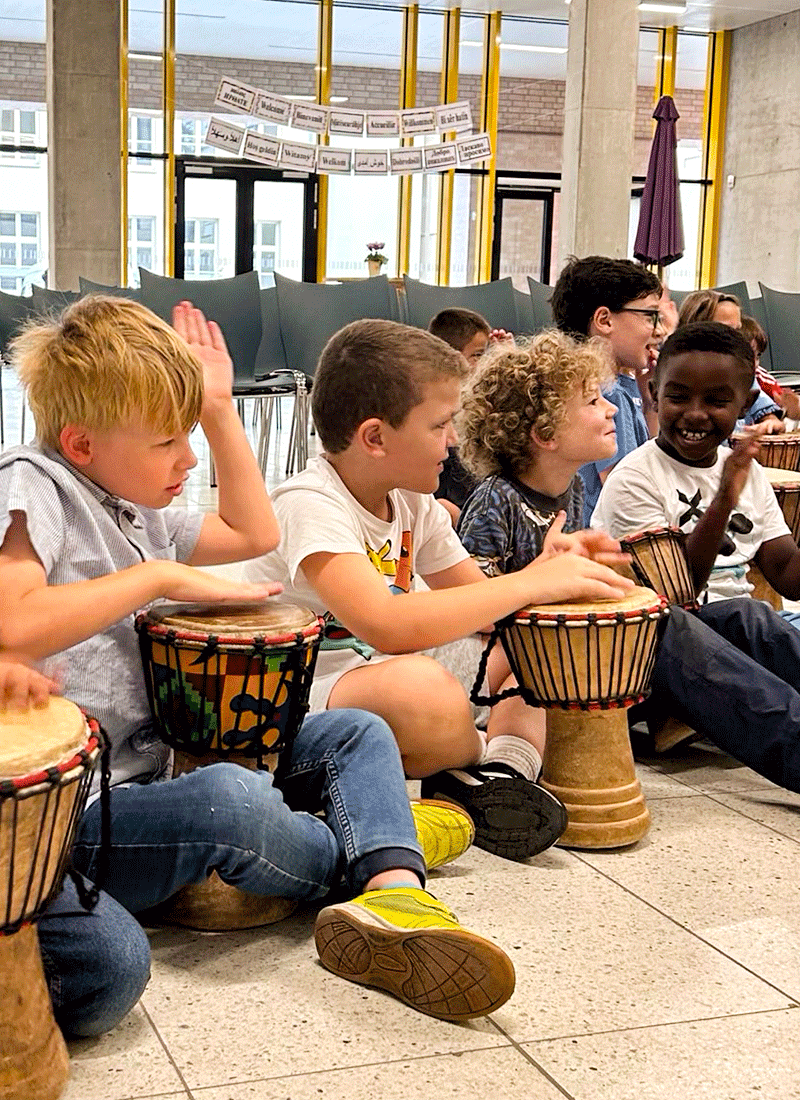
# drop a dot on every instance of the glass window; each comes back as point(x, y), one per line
point(141, 246)
point(19, 248)
point(199, 259)
point(28, 225)
point(8, 254)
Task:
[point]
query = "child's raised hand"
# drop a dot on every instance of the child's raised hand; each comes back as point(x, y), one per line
point(736, 469)
point(596, 545)
point(500, 336)
point(207, 342)
point(22, 686)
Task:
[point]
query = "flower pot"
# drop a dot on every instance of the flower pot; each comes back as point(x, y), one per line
point(374, 267)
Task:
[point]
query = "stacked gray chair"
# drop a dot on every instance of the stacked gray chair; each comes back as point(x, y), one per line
point(782, 309)
point(494, 301)
point(540, 295)
point(89, 287)
point(14, 312)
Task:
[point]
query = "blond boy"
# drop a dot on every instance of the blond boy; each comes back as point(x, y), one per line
point(356, 528)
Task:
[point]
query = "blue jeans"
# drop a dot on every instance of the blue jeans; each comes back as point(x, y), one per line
point(731, 671)
point(344, 764)
point(96, 964)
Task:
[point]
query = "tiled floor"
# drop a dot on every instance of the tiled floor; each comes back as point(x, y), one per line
point(669, 970)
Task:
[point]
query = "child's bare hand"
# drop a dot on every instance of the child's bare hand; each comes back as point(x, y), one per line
point(207, 342)
point(737, 465)
point(596, 545)
point(572, 577)
point(500, 336)
point(187, 584)
point(772, 425)
point(22, 686)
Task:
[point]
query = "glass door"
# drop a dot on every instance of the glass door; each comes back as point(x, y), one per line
point(232, 218)
point(523, 231)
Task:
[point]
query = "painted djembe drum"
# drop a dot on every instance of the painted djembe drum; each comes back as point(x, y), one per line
point(47, 755)
point(586, 663)
point(786, 484)
point(659, 561)
point(232, 684)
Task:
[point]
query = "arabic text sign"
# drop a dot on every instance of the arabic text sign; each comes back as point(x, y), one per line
point(224, 135)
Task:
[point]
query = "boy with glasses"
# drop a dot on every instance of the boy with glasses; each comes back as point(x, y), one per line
point(617, 300)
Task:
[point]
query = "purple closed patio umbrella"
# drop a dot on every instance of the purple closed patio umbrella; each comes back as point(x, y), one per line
point(659, 237)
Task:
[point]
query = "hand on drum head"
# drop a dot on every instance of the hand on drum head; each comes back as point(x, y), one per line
point(207, 342)
point(22, 686)
point(570, 576)
point(187, 584)
point(589, 544)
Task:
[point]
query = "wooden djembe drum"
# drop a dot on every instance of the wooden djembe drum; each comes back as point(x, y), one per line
point(586, 663)
point(228, 684)
point(47, 755)
point(659, 561)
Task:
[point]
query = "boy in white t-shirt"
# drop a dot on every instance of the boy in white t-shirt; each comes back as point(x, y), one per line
point(739, 682)
point(357, 526)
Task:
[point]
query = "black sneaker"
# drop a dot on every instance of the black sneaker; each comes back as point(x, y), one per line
point(514, 817)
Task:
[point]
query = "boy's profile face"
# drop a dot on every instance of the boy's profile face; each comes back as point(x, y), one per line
point(474, 349)
point(415, 452)
point(632, 332)
point(587, 433)
point(137, 464)
point(699, 396)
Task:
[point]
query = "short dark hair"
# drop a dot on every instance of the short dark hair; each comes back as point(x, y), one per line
point(753, 332)
point(701, 305)
point(458, 326)
point(708, 336)
point(376, 368)
point(594, 281)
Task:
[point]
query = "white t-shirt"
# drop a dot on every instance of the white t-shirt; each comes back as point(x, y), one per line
point(316, 512)
point(650, 489)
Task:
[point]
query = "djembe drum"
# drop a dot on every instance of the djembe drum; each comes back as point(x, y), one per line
point(786, 484)
point(779, 452)
point(47, 755)
point(228, 683)
point(586, 663)
point(659, 561)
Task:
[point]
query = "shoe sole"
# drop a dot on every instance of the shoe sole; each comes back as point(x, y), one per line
point(451, 974)
point(469, 836)
point(513, 818)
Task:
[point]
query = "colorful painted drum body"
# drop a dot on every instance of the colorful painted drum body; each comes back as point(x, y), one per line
point(659, 561)
point(228, 683)
point(586, 663)
point(47, 756)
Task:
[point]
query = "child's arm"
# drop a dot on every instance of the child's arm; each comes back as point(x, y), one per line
point(37, 619)
point(704, 542)
point(462, 601)
point(245, 525)
point(21, 686)
point(779, 561)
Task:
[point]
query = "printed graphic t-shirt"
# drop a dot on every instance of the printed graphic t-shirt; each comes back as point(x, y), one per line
point(650, 489)
point(317, 513)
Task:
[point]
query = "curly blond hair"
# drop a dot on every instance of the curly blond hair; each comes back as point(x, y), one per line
point(524, 389)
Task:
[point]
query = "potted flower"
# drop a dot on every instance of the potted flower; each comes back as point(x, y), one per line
point(375, 259)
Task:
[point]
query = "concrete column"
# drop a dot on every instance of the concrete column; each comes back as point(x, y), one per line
point(599, 120)
point(84, 142)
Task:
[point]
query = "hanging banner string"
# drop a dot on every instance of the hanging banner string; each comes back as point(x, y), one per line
point(274, 152)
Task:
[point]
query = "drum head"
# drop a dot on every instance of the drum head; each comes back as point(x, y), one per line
point(638, 599)
point(239, 621)
point(41, 737)
point(782, 479)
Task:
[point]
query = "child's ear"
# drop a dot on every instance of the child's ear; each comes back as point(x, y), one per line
point(539, 444)
point(76, 444)
point(371, 435)
point(651, 385)
point(600, 322)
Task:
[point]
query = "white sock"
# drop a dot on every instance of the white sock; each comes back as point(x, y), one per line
point(518, 753)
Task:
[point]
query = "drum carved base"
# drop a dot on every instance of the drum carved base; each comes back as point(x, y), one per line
point(588, 764)
point(34, 1064)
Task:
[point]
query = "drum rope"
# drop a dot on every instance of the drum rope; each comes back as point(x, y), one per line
point(89, 897)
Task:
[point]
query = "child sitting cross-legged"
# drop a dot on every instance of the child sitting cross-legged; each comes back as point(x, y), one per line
point(358, 524)
point(731, 671)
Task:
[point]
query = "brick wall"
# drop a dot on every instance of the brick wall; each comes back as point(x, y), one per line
point(531, 112)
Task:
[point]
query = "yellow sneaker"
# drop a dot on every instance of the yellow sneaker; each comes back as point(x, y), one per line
point(444, 831)
point(406, 942)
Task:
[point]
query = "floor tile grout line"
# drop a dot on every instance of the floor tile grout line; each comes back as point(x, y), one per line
point(167, 1051)
point(654, 1026)
point(689, 931)
point(529, 1058)
point(715, 796)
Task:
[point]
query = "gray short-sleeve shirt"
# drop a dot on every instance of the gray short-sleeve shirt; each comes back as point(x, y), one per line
point(81, 532)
